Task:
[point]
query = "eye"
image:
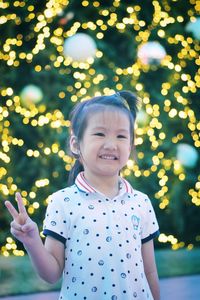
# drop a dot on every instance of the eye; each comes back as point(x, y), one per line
point(121, 136)
point(99, 134)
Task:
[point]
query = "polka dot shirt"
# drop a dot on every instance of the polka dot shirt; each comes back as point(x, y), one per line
point(102, 239)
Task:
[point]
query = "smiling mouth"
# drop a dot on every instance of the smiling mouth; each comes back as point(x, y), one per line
point(108, 157)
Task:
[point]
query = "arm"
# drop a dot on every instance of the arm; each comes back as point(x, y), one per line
point(150, 268)
point(47, 259)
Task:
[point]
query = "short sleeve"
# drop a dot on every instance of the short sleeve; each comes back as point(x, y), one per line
point(150, 228)
point(56, 223)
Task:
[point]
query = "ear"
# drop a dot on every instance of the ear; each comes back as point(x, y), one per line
point(74, 145)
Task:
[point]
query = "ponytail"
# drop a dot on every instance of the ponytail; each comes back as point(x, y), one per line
point(132, 101)
point(77, 168)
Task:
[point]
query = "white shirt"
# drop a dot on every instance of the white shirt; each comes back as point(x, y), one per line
point(102, 239)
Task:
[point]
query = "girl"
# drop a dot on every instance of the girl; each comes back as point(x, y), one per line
point(99, 231)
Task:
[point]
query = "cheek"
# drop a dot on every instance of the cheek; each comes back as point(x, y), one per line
point(126, 149)
point(129, 149)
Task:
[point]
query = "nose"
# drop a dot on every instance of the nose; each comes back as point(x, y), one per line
point(110, 144)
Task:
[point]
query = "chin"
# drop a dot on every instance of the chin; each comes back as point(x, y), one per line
point(109, 174)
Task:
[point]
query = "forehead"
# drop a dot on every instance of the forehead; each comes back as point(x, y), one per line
point(109, 116)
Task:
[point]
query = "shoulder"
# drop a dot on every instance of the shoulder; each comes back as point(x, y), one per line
point(141, 199)
point(61, 198)
point(140, 195)
point(134, 193)
point(63, 193)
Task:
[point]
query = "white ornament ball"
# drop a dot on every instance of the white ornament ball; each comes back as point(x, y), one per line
point(31, 94)
point(151, 53)
point(142, 118)
point(194, 27)
point(187, 155)
point(80, 47)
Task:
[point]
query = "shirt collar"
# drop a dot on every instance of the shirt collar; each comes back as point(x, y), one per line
point(84, 186)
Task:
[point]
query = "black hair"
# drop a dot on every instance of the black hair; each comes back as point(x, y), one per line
point(125, 101)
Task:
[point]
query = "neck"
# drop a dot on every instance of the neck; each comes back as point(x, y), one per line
point(109, 186)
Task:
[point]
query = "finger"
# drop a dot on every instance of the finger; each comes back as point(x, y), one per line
point(15, 225)
point(27, 227)
point(21, 219)
point(20, 204)
point(11, 209)
point(17, 233)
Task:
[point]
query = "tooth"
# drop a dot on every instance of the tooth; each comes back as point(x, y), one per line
point(108, 157)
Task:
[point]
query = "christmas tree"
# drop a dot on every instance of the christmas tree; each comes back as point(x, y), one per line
point(56, 53)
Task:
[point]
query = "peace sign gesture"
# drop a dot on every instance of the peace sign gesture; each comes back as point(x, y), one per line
point(22, 227)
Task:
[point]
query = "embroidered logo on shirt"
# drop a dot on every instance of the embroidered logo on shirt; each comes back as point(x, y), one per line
point(135, 220)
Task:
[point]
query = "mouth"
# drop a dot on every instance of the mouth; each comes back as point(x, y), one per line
point(108, 157)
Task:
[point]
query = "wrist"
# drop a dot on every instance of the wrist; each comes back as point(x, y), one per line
point(33, 245)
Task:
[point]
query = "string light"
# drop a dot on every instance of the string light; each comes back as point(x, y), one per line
point(86, 77)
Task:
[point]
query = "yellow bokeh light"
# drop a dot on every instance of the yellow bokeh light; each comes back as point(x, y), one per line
point(171, 117)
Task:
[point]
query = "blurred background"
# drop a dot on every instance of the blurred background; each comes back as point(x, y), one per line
point(55, 53)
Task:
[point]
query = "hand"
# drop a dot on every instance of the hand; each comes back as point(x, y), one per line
point(22, 227)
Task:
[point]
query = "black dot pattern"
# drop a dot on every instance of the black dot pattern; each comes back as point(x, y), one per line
point(103, 239)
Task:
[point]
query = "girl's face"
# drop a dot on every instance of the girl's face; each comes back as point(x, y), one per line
point(106, 143)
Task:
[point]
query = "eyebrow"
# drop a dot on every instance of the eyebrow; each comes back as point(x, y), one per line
point(103, 128)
